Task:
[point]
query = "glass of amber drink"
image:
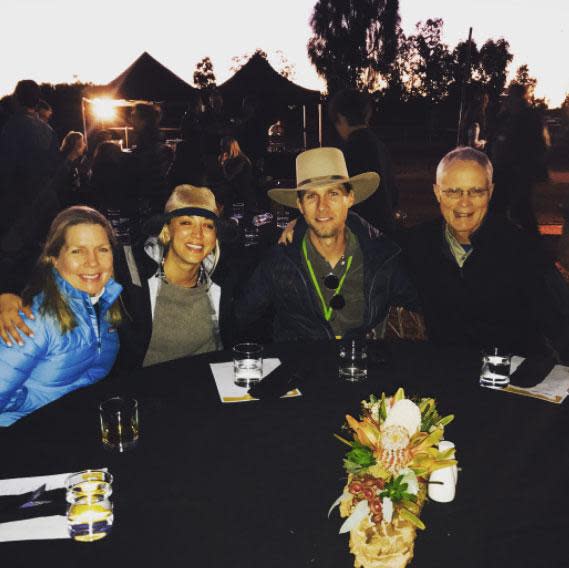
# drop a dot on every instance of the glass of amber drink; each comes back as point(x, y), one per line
point(119, 423)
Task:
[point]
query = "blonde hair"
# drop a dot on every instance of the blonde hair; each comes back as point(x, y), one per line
point(70, 141)
point(231, 146)
point(189, 196)
point(42, 279)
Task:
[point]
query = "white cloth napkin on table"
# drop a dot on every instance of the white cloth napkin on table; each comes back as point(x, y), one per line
point(38, 528)
point(229, 392)
point(553, 388)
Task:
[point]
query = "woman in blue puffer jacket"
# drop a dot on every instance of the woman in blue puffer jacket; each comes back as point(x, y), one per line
point(74, 341)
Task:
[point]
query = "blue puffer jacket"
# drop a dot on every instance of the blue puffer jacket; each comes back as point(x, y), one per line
point(52, 364)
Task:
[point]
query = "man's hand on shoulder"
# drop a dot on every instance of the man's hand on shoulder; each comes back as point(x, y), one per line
point(12, 325)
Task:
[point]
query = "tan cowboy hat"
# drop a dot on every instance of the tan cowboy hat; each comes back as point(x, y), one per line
point(324, 166)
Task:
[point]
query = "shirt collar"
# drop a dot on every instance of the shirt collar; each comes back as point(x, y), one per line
point(459, 254)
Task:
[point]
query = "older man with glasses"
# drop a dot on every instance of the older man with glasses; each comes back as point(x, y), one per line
point(339, 276)
point(482, 281)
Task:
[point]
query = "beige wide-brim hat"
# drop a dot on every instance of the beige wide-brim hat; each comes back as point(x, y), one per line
point(320, 167)
point(186, 199)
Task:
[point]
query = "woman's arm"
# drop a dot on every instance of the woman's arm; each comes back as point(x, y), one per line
point(16, 365)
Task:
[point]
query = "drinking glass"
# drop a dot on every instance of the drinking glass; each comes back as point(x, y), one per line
point(239, 210)
point(282, 217)
point(251, 236)
point(247, 364)
point(495, 372)
point(352, 359)
point(119, 423)
point(89, 511)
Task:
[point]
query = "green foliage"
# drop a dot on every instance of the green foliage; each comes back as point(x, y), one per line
point(358, 458)
point(409, 516)
point(495, 56)
point(396, 490)
point(353, 41)
point(204, 76)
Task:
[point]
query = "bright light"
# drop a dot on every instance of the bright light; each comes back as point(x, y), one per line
point(104, 109)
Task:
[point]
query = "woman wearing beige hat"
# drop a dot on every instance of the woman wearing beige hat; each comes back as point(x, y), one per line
point(172, 306)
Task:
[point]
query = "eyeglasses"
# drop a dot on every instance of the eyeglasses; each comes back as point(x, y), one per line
point(337, 302)
point(454, 193)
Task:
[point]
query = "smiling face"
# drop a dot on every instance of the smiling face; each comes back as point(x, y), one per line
point(463, 214)
point(86, 258)
point(191, 238)
point(325, 209)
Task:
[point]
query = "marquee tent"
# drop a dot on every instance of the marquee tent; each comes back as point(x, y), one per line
point(147, 79)
point(258, 79)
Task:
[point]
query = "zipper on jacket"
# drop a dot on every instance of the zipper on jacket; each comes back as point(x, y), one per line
point(95, 321)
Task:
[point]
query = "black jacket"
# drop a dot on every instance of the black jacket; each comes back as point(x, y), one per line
point(282, 282)
point(507, 294)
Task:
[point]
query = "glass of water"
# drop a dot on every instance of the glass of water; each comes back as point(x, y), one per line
point(239, 210)
point(251, 234)
point(89, 510)
point(119, 423)
point(282, 217)
point(495, 372)
point(352, 359)
point(247, 364)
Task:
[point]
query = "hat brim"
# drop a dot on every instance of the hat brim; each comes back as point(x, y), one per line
point(363, 185)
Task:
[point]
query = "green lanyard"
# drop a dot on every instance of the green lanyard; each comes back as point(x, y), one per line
point(326, 309)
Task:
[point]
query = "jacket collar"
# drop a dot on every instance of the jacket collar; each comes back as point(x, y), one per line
point(373, 244)
point(110, 294)
point(150, 260)
point(480, 237)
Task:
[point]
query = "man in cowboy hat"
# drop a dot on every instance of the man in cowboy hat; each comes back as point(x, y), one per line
point(340, 275)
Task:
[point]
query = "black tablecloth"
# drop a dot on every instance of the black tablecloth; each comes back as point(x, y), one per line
point(246, 485)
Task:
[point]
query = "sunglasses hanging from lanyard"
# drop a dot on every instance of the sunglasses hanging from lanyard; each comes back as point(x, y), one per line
point(332, 282)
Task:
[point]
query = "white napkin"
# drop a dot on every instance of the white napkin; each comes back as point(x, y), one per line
point(229, 391)
point(38, 528)
point(554, 388)
point(445, 489)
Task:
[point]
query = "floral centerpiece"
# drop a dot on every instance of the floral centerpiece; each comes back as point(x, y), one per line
point(393, 452)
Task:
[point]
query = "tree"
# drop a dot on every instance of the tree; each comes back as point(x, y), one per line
point(523, 78)
point(460, 57)
point(354, 41)
point(495, 57)
point(432, 62)
point(285, 67)
point(204, 77)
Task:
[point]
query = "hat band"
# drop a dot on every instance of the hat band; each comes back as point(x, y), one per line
point(197, 211)
point(322, 178)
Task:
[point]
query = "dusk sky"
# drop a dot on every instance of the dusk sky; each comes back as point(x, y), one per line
point(60, 40)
